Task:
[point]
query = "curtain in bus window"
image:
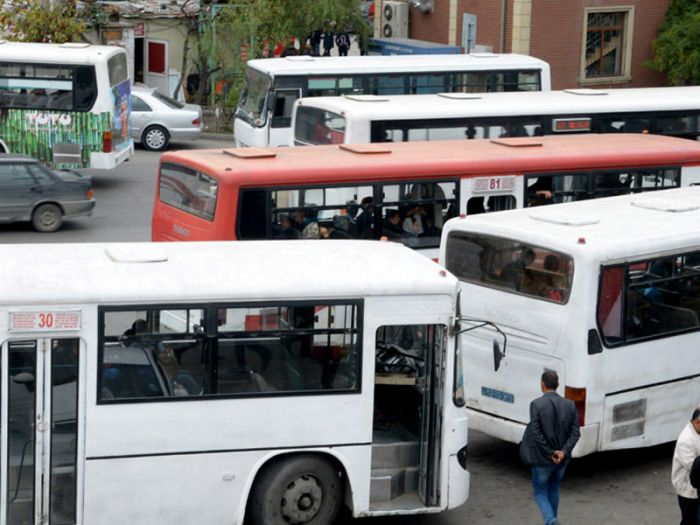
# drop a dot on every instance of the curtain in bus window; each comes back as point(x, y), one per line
point(610, 304)
point(288, 348)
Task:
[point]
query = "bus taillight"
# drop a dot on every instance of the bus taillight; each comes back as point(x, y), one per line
point(107, 142)
point(578, 396)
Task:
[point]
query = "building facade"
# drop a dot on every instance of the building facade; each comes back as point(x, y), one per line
point(588, 43)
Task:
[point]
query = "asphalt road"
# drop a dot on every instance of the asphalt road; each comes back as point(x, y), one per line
point(614, 488)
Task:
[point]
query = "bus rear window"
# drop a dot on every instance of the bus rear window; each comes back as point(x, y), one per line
point(116, 67)
point(188, 190)
point(316, 126)
point(510, 265)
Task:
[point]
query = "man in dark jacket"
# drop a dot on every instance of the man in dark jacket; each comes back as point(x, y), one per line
point(553, 435)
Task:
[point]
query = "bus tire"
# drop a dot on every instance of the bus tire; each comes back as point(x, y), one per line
point(299, 490)
point(47, 218)
point(155, 138)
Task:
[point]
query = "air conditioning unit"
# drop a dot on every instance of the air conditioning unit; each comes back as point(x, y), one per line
point(394, 19)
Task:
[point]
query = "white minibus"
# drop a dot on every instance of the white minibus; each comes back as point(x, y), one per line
point(210, 383)
point(263, 117)
point(67, 105)
point(605, 292)
point(355, 119)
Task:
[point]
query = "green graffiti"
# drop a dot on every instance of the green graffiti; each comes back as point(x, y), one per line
point(36, 132)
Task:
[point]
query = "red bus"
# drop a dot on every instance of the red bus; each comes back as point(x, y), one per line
point(404, 191)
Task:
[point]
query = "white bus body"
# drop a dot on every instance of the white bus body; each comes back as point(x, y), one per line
point(352, 119)
point(171, 383)
point(272, 85)
point(67, 105)
point(616, 316)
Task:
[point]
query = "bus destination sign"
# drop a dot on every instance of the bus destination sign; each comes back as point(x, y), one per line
point(45, 321)
point(562, 125)
point(493, 184)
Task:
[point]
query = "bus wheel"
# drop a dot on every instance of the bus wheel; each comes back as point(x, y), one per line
point(299, 490)
point(47, 218)
point(155, 138)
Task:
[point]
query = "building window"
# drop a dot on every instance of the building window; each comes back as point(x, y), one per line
point(607, 44)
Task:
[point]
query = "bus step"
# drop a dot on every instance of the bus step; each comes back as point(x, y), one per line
point(398, 454)
point(386, 484)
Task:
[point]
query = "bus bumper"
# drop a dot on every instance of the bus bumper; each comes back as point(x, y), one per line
point(108, 161)
point(512, 431)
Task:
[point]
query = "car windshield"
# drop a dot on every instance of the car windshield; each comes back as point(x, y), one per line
point(171, 103)
point(252, 104)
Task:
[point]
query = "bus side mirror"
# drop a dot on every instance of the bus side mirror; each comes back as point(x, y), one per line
point(498, 355)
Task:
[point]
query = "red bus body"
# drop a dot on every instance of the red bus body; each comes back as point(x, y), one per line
point(486, 161)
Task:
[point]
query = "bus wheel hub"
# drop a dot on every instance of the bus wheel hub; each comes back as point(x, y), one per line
point(302, 500)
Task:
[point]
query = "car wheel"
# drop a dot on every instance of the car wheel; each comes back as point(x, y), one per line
point(299, 490)
point(47, 218)
point(155, 138)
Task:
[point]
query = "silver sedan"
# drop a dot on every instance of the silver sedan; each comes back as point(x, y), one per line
point(156, 119)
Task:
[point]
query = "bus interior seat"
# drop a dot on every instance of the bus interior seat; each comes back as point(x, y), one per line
point(675, 317)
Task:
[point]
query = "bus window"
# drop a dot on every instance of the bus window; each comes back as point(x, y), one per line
point(282, 108)
point(287, 349)
point(327, 212)
point(662, 297)
point(419, 208)
point(252, 215)
point(624, 124)
point(333, 86)
point(555, 189)
point(188, 190)
point(387, 85)
point(510, 265)
point(427, 84)
point(315, 126)
point(682, 125)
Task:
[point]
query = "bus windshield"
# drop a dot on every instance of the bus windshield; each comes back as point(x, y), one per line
point(510, 265)
point(316, 126)
point(252, 105)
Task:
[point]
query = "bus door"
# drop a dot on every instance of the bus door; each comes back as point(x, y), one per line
point(432, 410)
point(39, 429)
point(281, 105)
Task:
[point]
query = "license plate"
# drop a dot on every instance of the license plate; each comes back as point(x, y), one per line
point(498, 395)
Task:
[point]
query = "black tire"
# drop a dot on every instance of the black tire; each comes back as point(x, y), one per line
point(298, 490)
point(47, 218)
point(155, 138)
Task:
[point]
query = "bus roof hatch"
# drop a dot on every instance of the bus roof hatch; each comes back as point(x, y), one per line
point(249, 153)
point(365, 148)
point(665, 205)
point(518, 142)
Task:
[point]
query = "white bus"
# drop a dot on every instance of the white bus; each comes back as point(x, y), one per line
point(605, 292)
point(67, 105)
point(211, 382)
point(355, 119)
point(263, 117)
